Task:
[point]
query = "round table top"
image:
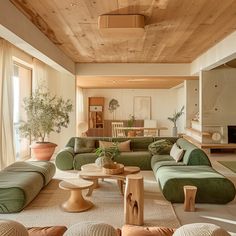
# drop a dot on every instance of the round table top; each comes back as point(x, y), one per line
point(92, 170)
point(71, 184)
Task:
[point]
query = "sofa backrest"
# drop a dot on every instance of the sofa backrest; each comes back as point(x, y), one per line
point(193, 155)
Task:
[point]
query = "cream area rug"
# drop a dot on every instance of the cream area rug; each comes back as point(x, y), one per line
point(108, 205)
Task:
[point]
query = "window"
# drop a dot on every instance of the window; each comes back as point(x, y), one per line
point(22, 85)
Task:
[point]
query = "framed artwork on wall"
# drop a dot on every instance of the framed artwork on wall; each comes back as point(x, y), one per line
point(142, 108)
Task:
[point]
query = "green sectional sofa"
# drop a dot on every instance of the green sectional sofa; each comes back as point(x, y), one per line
point(194, 168)
point(21, 182)
point(67, 159)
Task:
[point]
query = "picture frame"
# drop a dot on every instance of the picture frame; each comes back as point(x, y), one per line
point(142, 107)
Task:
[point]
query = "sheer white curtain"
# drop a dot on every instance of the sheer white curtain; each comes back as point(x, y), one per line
point(82, 125)
point(7, 152)
point(40, 74)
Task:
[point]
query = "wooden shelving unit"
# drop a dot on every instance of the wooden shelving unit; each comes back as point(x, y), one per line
point(96, 112)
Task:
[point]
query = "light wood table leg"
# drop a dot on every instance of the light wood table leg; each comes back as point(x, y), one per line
point(76, 202)
point(189, 197)
point(120, 184)
point(134, 200)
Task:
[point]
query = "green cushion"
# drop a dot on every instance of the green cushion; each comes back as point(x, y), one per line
point(45, 168)
point(160, 158)
point(84, 145)
point(159, 164)
point(18, 189)
point(162, 146)
point(192, 155)
point(141, 159)
point(64, 159)
point(83, 158)
point(212, 187)
point(137, 143)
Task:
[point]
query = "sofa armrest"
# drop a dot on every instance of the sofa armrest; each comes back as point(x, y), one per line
point(65, 158)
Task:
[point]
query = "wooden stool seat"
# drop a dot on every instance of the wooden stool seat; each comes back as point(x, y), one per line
point(76, 202)
point(134, 200)
point(189, 197)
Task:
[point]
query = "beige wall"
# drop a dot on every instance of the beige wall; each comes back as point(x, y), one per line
point(163, 103)
point(218, 102)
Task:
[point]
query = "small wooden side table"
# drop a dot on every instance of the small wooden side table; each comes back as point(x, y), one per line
point(134, 200)
point(76, 202)
point(189, 197)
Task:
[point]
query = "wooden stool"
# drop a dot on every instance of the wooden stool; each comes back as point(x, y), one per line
point(76, 202)
point(133, 200)
point(189, 197)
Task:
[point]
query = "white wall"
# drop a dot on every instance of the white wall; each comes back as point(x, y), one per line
point(180, 99)
point(218, 100)
point(163, 103)
point(63, 85)
point(192, 100)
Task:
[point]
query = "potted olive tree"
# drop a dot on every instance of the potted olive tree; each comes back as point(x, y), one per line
point(174, 118)
point(45, 113)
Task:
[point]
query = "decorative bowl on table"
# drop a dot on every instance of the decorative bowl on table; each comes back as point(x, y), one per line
point(113, 169)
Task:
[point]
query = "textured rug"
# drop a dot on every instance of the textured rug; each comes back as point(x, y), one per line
point(108, 205)
point(229, 164)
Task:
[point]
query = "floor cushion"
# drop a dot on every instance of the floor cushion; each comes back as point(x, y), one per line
point(131, 230)
point(10, 228)
point(91, 229)
point(21, 182)
point(47, 231)
point(212, 187)
point(18, 189)
point(200, 229)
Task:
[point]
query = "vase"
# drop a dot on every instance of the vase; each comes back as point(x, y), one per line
point(103, 160)
point(42, 151)
point(174, 131)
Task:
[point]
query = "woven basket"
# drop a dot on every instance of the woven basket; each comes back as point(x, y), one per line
point(113, 169)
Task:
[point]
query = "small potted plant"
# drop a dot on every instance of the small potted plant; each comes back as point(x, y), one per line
point(45, 113)
point(174, 119)
point(130, 123)
point(106, 155)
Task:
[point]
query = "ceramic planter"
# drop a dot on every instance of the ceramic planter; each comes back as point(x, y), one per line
point(42, 151)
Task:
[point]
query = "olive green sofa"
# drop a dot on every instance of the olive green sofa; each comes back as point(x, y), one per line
point(21, 182)
point(194, 168)
point(139, 156)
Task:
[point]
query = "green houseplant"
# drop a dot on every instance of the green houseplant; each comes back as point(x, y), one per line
point(45, 113)
point(106, 155)
point(174, 118)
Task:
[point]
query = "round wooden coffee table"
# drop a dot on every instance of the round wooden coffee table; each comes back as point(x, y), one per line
point(76, 202)
point(93, 172)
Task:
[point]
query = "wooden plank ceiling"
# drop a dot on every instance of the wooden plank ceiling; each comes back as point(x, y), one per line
point(176, 31)
point(140, 82)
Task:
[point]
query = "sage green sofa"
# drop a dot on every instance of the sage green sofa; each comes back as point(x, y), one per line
point(21, 182)
point(139, 156)
point(194, 168)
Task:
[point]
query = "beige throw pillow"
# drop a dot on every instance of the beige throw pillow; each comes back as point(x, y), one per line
point(176, 152)
point(122, 146)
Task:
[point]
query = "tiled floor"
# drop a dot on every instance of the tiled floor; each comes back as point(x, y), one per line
point(222, 215)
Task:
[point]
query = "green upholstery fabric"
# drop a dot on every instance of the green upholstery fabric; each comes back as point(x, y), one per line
point(64, 159)
point(18, 189)
point(193, 155)
point(212, 186)
point(159, 164)
point(45, 168)
point(83, 159)
point(21, 182)
point(83, 146)
point(161, 147)
point(160, 158)
point(137, 143)
point(141, 159)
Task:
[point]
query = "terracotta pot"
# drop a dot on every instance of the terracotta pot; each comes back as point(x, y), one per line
point(42, 151)
point(132, 133)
